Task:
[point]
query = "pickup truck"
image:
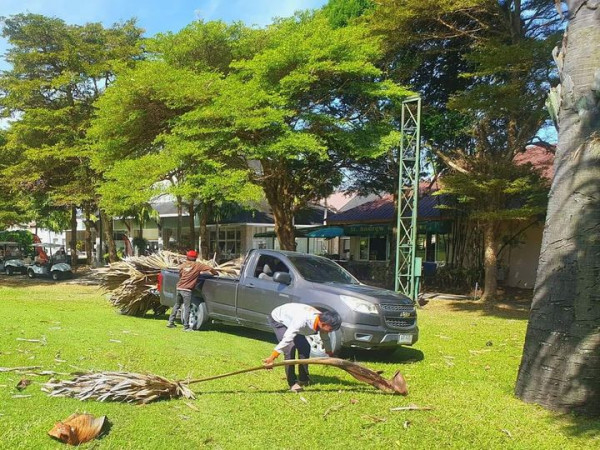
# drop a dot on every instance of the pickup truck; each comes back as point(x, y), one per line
point(372, 318)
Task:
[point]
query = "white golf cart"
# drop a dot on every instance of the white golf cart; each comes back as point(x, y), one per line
point(11, 258)
point(48, 264)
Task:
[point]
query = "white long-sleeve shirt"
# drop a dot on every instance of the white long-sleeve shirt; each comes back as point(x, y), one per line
point(299, 319)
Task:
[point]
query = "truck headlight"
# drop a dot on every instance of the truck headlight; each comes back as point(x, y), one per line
point(359, 305)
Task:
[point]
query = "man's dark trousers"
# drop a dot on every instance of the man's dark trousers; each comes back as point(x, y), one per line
point(301, 344)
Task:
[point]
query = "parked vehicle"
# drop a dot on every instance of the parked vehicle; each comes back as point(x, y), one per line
point(11, 258)
point(372, 318)
point(48, 265)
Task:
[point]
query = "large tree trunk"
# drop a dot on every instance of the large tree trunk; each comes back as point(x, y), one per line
point(281, 201)
point(73, 243)
point(560, 368)
point(491, 244)
point(284, 225)
point(107, 227)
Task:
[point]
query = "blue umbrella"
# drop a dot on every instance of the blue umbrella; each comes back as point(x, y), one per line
point(329, 232)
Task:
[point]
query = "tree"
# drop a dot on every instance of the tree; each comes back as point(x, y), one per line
point(57, 73)
point(483, 68)
point(296, 111)
point(138, 150)
point(11, 209)
point(561, 359)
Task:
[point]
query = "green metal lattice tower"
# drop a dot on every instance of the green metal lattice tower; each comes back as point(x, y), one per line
point(408, 267)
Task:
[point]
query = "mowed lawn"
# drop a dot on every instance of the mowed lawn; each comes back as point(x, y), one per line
point(463, 367)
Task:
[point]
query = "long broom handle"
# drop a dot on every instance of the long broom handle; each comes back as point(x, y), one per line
point(289, 362)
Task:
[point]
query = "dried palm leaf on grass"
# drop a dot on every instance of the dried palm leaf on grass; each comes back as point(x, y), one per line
point(78, 428)
point(138, 388)
point(118, 387)
point(132, 281)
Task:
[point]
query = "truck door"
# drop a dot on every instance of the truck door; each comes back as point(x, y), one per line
point(258, 294)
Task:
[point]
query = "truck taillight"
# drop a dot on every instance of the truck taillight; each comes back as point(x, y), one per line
point(159, 285)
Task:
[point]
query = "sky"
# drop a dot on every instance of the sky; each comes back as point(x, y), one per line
point(156, 16)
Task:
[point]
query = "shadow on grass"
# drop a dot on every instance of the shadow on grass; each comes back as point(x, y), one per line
point(254, 391)
point(515, 311)
point(23, 281)
point(580, 426)
point(248, 333)
point(403, 355)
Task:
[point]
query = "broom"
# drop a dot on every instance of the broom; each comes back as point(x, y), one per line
point(139, 388)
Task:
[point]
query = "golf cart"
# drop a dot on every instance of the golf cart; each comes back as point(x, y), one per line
point(49, 264)
point(11, 258)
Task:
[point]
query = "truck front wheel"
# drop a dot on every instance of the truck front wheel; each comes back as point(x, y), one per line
point(198, 314)
point(317, 350)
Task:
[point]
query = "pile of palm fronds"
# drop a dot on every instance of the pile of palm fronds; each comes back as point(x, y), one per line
point(138, 388)
point(132, 282)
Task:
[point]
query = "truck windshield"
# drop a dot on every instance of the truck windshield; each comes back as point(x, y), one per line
point(321, 270)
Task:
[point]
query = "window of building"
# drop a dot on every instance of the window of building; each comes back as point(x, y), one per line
point(373, 248)
point(228, 242)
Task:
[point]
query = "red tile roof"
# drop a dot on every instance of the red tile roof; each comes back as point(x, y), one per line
point(540, 157)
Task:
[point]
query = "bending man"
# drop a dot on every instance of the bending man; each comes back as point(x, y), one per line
point(292, 322)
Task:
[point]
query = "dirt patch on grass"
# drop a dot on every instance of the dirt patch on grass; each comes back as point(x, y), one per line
point(82, 275)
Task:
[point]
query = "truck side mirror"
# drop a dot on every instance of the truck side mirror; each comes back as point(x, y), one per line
point(282, 277)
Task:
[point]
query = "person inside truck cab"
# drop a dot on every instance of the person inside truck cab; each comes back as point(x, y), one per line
point(266, 273)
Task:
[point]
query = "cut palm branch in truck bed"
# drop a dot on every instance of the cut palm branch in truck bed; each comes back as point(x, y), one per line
point(132, 281)
point(139, 388)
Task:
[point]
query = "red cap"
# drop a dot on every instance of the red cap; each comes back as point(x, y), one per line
point(192, 254)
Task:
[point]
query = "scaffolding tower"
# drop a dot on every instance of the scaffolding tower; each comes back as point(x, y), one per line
point(408, 266)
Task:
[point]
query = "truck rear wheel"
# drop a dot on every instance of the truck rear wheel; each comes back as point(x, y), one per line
point(198, 314)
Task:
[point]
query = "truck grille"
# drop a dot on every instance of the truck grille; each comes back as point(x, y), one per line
point(399, 323)
point(393, 307)
point(398, 316)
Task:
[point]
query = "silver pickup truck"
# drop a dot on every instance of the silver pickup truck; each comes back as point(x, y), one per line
point(372, 318)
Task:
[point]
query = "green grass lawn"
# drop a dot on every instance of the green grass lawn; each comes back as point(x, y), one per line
point(464, 367)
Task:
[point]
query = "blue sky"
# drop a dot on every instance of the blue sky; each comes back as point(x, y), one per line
point(156, 15)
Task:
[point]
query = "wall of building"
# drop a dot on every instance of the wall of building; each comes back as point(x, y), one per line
point(520, 262)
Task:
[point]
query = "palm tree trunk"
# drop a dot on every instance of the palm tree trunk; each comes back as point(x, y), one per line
point(560, 366)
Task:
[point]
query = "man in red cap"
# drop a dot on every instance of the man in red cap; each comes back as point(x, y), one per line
point(188, 277)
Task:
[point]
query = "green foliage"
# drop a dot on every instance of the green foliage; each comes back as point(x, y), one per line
point(311, 99)
point(221, 111)
point(57, 72)
point(22, 237)
point(341, 12)
point(134, 136)
point(497, 190)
